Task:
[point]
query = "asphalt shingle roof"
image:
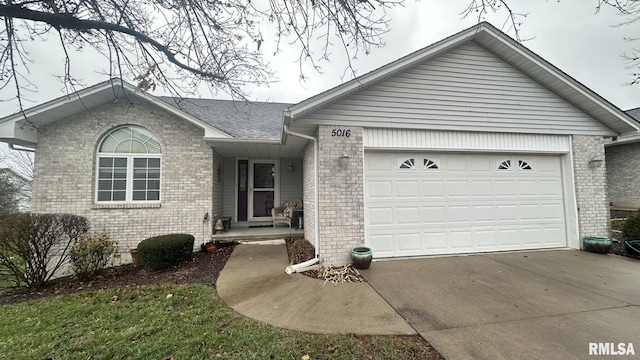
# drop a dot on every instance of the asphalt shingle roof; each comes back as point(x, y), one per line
point(634, 113)
point(240, 119)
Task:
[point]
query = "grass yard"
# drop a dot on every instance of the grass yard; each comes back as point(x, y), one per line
point(171, 322)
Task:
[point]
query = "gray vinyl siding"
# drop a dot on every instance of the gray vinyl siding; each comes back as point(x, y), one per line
point(229, 186)
point(218, 184)
point(466, 89)
point(290, 182)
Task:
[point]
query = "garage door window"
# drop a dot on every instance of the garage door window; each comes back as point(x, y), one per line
point(408, 164)
point(430, 164)
point(505, 165)
point(523, 165)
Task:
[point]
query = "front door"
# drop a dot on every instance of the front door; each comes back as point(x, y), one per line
point(263, 194)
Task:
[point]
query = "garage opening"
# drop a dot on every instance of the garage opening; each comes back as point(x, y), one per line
point(452, 203)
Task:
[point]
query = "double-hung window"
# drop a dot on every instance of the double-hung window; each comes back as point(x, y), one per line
point(128, 167)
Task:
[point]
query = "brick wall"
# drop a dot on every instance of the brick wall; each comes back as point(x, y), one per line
point(591, 188)
point(308, 186)
point(341, 198)
point(623, 162)
point(64, 173)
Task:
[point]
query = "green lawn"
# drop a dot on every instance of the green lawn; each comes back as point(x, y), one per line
point(169, 322)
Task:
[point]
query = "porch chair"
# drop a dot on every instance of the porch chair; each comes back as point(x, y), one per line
point(284, 213)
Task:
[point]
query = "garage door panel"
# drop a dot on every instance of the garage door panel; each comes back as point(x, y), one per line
point(485, 239)
point(461, 240)
point(553, 212)
point(433, 215)
point(433, 189)
point(551, 189)
point(462, 203)
point(409, 242)
point(408, 216)
point(505, 188)
point(457, 188)
point(527, 188)
point(482, 188)
point(507, 238)
point(407, 189)
point(455, 163)
point(458, 214)
point(379, 164)
point(506, 212)
point(381, 216)
point(380, 189)
point(482, 213)
point(434, 242)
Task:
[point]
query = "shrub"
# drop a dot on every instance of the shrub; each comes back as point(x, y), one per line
point(631, 228)
point(33, 247)
point(301, 251)
point(161, 252)
point(91, 254)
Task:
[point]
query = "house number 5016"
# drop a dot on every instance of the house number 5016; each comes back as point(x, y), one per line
point(340, 132)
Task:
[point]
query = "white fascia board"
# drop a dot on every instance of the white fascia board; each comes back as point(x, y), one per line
point(568, 80)
point(61, 101)
point(379, 74)
point(246, 141)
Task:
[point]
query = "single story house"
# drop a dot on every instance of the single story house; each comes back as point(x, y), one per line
point(472, 144)
point(623, 162)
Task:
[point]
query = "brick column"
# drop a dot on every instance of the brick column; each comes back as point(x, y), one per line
point(341, 197)
point(591, 188)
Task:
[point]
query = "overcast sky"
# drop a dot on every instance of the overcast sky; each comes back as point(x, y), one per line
point(567, 33)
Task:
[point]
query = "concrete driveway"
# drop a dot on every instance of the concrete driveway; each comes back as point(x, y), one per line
point(524, 305)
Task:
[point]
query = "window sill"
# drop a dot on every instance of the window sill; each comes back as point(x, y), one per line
point(126, 206)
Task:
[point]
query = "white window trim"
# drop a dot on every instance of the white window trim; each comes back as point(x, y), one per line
point(129, 178)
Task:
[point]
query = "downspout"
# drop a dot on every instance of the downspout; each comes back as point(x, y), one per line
point(294, 268)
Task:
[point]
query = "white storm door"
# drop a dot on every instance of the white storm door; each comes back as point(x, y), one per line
point(263, 188)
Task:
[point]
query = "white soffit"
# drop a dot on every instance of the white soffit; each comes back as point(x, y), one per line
point(397, 139)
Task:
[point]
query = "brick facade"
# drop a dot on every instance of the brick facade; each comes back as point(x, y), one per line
point(591, 187)
point(341, 198)
point(623, 162)
point(308, 200)
point(64, 173)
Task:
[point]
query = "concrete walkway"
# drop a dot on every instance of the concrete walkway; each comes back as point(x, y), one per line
point(523, 305)
point(254, 284)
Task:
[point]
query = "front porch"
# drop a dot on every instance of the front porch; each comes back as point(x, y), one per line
point(258, 233)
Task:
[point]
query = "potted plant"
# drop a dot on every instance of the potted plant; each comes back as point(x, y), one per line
point(134, 255)
point(361, 257)
point(595, 244)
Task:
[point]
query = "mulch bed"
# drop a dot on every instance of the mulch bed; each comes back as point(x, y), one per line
point(203, 268)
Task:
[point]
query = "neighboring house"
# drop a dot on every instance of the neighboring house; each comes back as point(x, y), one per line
point(623, 164)
point(472, 144)
point(23, 185)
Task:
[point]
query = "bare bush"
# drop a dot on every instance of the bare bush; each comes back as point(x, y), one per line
point(33, 247)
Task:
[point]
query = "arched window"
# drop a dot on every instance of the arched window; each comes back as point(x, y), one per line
point(128, 170)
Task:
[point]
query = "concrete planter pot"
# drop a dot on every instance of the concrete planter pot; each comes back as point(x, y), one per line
point(599, 245)
point(134, 256)
point(361, 257)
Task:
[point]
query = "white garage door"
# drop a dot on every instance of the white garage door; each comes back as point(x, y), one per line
point(427, 204)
